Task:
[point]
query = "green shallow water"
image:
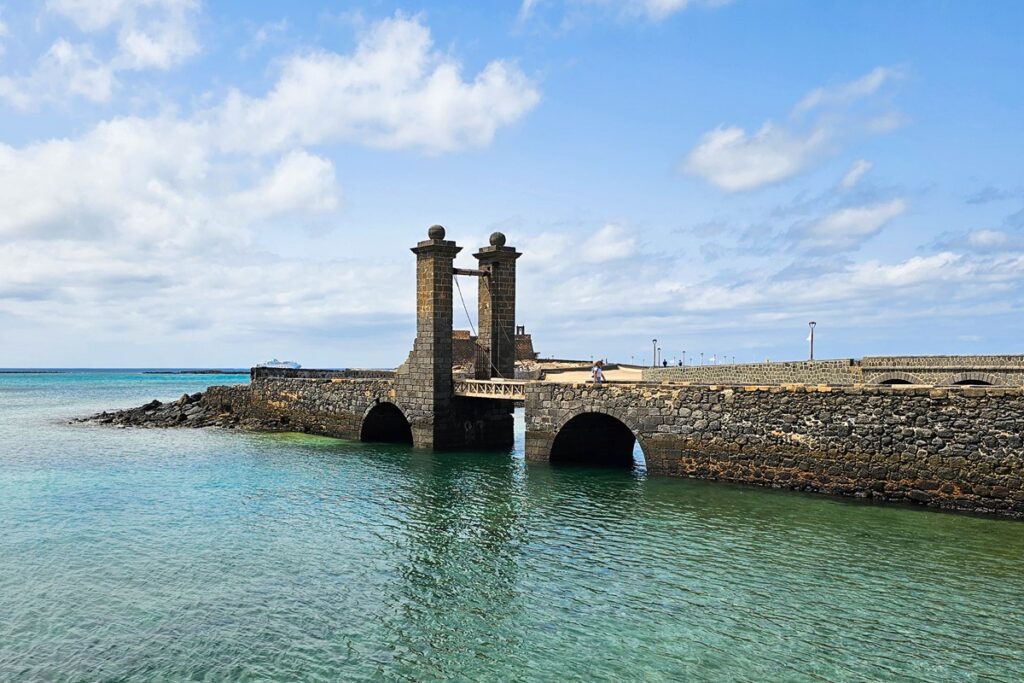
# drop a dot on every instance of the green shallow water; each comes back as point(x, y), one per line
point(205, 555)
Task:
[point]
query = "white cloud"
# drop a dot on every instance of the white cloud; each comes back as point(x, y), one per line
point(856, 172)
point(93, 15)
point(856, 89)
point(654, 10)
point(138, 181)
point(987, 239)
point(142, 226)
point(299, 182)
point(916, 270)
point(734, 160)
point(150, 33)
point(395, 91)
point(526, 8)
point(176, 182)
point(65, 69)
point(610, 243)
point(3, 34)
point(568, 302)
point(849, 227)
point(660, 9)
point(262, 35)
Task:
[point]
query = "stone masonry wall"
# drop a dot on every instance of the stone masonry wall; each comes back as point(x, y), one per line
point(931, 370)
point(952, 448)
point(945, 370)
point(336, 407)
point(834, 372)
point(310, 373)
point(330, 407)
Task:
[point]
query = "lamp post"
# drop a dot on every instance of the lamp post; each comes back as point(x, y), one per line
point(654, 353)
point(810, 338)
point(684, 358)
point(702, 358)
point(659, 356)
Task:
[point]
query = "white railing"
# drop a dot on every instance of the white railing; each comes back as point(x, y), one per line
point(508, 390)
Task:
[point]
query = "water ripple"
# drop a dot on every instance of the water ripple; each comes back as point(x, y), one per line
point(202, 555)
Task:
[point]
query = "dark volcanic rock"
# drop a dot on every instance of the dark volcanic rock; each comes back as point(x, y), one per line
point(227, 407)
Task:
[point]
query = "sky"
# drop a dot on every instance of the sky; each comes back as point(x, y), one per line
point(200, 183)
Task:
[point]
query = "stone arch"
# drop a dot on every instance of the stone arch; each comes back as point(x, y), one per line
point(972, 378)
point(895, 378)
point(596, 437)
point(385, 422)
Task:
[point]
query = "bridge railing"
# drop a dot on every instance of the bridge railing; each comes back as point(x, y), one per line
point(504, 389)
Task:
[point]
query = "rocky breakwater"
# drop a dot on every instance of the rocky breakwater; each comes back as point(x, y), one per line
point(226, 407)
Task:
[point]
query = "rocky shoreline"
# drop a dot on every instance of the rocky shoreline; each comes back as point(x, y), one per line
point(224, 407)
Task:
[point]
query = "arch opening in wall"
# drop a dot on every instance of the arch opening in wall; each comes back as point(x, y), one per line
point(891, 378)
point(973, 379)
point(385, 423)
point(598, 440)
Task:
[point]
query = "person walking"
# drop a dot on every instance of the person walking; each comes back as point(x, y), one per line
point(596, 372)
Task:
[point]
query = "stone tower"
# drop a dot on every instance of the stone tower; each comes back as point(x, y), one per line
point(425, 386)
point(496, 357)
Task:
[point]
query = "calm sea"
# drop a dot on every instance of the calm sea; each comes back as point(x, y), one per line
point(169, 555)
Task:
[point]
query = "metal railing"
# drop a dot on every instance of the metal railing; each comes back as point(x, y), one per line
point(504, 389)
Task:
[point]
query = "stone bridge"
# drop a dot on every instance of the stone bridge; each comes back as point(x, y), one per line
point(857, 430)
point(958, 447)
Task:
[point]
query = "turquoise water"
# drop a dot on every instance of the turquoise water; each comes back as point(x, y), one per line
point(158, 555)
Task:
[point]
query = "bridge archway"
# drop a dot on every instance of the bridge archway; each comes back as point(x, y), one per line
point(597, 439)
point(890, 378)
point(385, 423)
point(983, 379)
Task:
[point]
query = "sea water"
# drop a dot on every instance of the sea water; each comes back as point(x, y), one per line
point(169, 555)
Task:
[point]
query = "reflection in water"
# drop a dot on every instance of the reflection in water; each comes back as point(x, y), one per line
point(168, 555)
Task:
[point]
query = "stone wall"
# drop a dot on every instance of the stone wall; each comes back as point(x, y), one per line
point(928, 370)
point(834, 372)
point(952, 448)
point(337, 407)
point(330, 407)
point(945, 370)
point(309, 373)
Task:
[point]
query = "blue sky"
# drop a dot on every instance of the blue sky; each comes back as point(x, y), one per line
point(190, 183)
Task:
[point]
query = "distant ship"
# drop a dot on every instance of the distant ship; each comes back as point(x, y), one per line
point(280, 364)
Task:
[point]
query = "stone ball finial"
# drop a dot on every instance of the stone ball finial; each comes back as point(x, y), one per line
point(497, 239)
point(435, 232)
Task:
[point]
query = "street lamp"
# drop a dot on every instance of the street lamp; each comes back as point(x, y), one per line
point(654, 353)
point(702, 358)
point(684, 358)
point(659, 357)
point(810, 337)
